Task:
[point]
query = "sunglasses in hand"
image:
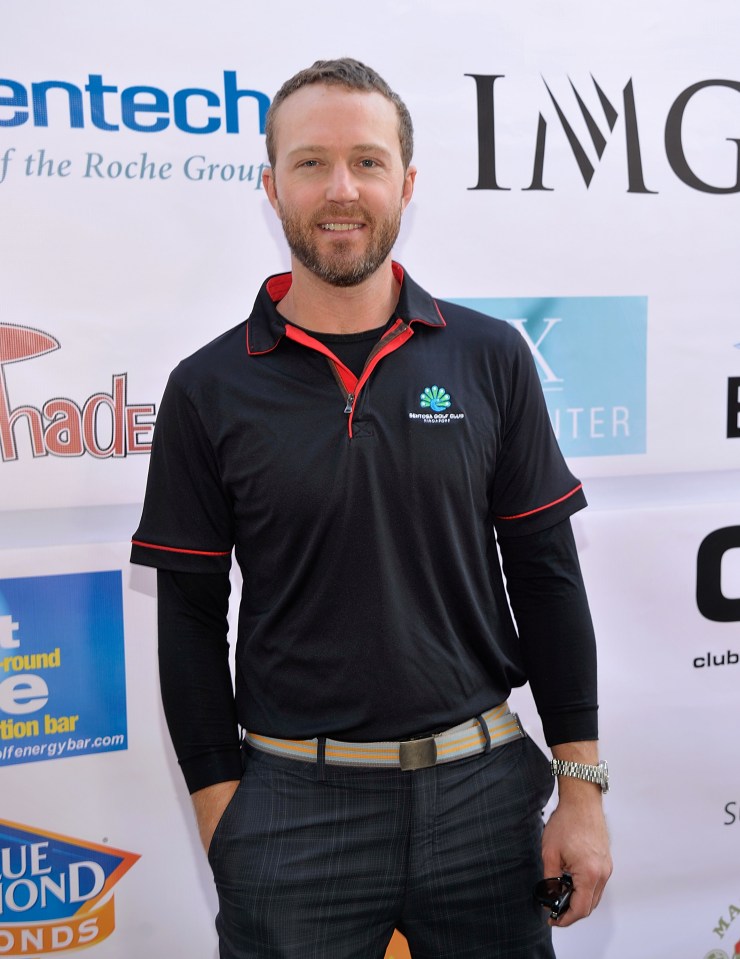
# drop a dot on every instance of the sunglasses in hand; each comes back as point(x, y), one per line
point(554, 894)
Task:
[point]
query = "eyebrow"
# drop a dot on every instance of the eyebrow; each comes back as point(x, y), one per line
point(358, 148)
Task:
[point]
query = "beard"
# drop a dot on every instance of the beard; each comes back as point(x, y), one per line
point(342, 265)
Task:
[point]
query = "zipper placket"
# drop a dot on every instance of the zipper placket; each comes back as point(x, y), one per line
point(380, 349)
point(390, 341)
point(349, 395)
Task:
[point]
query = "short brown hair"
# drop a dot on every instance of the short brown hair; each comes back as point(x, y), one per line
point(353, 75)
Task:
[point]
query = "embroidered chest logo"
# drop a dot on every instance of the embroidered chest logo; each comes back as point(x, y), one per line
point(436, 402)
point(435, 398)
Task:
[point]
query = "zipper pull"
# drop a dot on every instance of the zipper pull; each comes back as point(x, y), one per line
point(350, 401)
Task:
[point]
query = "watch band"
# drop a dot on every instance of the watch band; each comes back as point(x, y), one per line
point(598, 774)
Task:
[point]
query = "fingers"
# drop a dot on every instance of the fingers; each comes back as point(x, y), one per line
point(587, 893)
point(576, 841)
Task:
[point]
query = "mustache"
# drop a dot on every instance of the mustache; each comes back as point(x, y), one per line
point(340, 212)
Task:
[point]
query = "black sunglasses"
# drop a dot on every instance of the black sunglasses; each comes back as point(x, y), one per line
point(554, 894)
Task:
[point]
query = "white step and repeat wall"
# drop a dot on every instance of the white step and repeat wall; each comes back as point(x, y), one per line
point(579, 177)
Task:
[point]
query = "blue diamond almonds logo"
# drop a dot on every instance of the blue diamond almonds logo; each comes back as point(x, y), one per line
point(435, 398)
point(56, 891)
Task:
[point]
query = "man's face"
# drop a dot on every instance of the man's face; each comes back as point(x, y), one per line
point(338, 184)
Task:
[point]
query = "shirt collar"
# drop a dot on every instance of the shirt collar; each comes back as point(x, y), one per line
point(266, 327)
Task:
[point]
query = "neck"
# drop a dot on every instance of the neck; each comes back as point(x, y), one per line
point(317, 305)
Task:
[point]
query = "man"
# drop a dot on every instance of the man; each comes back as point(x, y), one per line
point(358, 443)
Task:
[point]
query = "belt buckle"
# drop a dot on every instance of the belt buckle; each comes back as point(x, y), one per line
point(417, 753)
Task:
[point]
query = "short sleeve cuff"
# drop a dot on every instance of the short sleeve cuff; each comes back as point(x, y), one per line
point(180, 560)
point(543, 516)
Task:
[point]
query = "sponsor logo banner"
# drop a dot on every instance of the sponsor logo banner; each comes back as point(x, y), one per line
point(134, 167)
point(55, 892)
point(62, 676)
point(103, 105)
point(105, 425)
point(717, 591)
point(591, 355)
point(586, 117)
point(726, 929)
point(733, 407)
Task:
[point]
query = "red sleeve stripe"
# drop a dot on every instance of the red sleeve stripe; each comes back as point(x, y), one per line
point(539, 509)
point(173, 549)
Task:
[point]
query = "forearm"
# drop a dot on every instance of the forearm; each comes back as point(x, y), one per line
point(209, 805)
point(559, 653)
point(558, 647)
point(576, 840)
point(195, 678)
point(586, 751)
point(571, 789)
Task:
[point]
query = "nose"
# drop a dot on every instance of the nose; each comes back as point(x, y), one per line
point(342, 185)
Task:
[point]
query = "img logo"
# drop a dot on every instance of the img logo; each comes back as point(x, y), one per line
point(55, 892)
point(591, 356)
point(597, 124)
point(104, 425)
point(435, 398)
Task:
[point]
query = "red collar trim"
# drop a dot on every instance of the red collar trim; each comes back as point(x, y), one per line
point(278, 286)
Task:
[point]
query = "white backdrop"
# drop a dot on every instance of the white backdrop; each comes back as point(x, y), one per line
point(122, 250)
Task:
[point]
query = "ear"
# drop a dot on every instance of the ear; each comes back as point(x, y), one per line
point(408, 187)
point(268, 182)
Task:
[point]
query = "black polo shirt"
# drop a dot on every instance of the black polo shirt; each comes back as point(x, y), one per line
point(362, 512)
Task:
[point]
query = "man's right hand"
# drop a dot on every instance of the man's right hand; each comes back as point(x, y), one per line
point(210, 804)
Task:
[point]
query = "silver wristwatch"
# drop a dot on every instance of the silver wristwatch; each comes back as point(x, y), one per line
point(598, 774)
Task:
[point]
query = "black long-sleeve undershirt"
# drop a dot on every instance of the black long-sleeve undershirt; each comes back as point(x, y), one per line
point(195, 678)
point(547, 597)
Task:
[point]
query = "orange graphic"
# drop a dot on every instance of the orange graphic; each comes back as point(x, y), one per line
point(53, 937)
point(398, 948)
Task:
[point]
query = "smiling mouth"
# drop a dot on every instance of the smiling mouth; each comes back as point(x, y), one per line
point(341, 227)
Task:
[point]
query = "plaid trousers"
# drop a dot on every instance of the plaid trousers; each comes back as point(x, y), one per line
point(314, 863)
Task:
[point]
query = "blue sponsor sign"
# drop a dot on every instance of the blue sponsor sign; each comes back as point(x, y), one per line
point(55, 893)
point(62, 674)
point(591, 355)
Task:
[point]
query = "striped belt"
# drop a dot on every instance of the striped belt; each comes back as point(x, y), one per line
point(494, 728)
